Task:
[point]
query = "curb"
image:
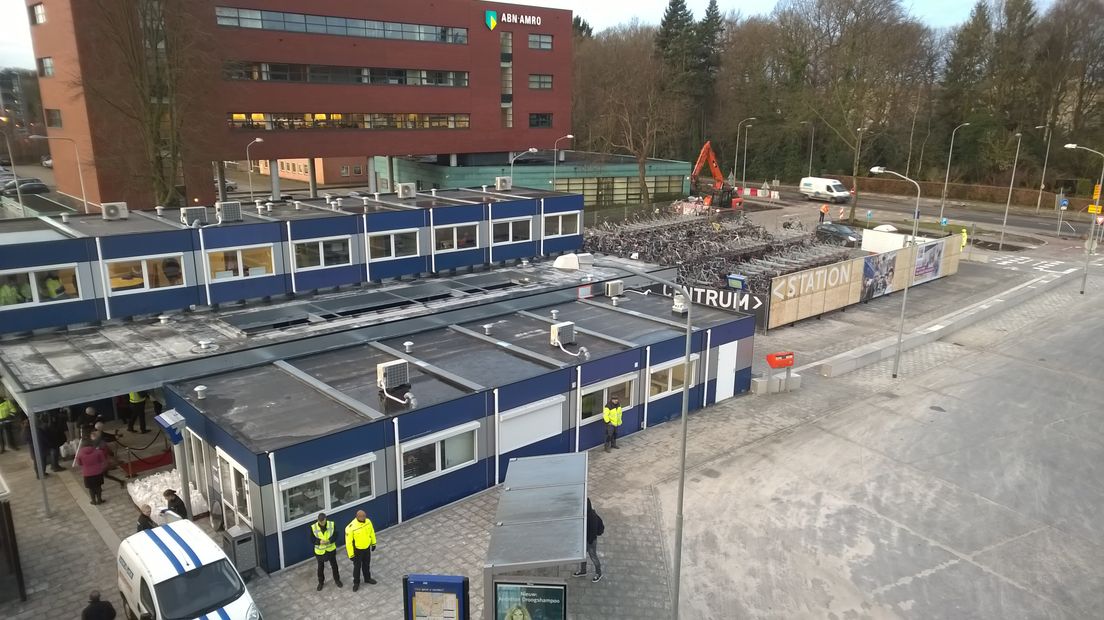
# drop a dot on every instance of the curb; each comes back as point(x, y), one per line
point(936, 330)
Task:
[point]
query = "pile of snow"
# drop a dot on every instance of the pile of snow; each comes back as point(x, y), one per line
point(151, 490)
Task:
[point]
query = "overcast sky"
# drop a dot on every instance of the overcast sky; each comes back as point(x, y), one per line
point(15, 37)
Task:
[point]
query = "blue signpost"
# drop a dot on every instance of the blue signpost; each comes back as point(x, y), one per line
point(435, 596)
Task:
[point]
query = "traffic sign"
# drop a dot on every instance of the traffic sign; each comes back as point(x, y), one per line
point(1064, 203)
point(1096, 192)
point(943, 222)
point(1094, 209)
point(869, 215)
point(1100, 220)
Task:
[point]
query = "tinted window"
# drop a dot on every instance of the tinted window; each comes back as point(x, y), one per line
point(200, 591)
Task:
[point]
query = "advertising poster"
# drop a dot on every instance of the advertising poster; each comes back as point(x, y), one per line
point(524, 601)
point(929, 262)
point(435, 597)
point(878, 273)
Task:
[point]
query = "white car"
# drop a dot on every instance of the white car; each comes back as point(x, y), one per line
point(176, 572)
point(816, 188)
point(48, 162)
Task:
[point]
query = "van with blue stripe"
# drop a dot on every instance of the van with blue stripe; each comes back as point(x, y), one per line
point(176, 572)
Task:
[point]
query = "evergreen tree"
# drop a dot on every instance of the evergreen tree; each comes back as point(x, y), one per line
point(581, 28)
point(676, 41)
point(1013, 50)
point(710, 31)
point(967, 66)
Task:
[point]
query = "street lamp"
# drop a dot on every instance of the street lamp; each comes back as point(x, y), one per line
point(532, 149)
point(80, 173)
point(571, 262)
point(15, 177)
point(249, 164)
point(1046, 160)
point(911, 268)
point(947, 179)
point(556, 156)
point(812, 137)
point(1092, 223)
point(1011, 184)
point(855, 174)
point(743, 177)
point(736, 162)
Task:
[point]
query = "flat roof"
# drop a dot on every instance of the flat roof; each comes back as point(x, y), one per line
point(284, 211)
point(532, 334)
point(619, 324)
point(96, 226)
point(28, 230)
point(471, 358)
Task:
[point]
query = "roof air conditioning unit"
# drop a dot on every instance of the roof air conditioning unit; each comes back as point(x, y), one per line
point(229, 211)
point(616, 288)
point(393, 374)
point(115, 210)
point(562, 333)
point(407, 190)
point(504, 183)
point(193, 214)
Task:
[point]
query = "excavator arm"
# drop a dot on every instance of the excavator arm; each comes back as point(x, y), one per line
point(707, 156)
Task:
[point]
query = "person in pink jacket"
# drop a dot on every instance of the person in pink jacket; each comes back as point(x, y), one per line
point(93, 463)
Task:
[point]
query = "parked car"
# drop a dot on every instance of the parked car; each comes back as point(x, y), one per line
point(231, 186)
point(5, 160)
point(839, 234)
point(48, 162)
point(22, 181)
point(28, 188)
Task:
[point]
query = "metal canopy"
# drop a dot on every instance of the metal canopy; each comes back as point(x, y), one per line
point(541, 519)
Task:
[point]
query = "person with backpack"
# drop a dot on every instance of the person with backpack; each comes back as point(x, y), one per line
point(594, 529)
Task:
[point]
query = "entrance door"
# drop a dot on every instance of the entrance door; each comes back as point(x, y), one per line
point(726, 371)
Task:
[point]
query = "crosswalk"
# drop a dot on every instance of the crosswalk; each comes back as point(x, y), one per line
point(1031, 263)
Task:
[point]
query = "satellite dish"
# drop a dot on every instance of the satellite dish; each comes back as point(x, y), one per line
point(886, 228)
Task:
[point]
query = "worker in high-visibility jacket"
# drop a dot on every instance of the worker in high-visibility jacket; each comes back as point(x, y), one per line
point(360, 542)
point(965, 239)
point(8, 418)
point(52, 288)
point(611, 415)
point(325, 549)
point(137, 411)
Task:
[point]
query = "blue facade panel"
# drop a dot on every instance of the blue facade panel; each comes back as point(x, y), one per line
point(675, 348)
point(460, 258)
point(325, 278)
point(329, 449)
point(504, 210)
point(444, 416)
point(425, 496)
point(743, 380)
point(613, 366)
point(156, 300)
point(525, 249)
point(43, 316)
point(242, 235)
point(570, 243)
point(741, 327)
point(397, 220)
point(398, 267)
point(465, 214)
point(670, 407)
point(58, 252)
point(325, 227)
point(146, 244)
point(562, 204)
point(249, 288)
point(531, 390)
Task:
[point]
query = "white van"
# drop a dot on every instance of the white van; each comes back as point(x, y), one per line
point(176, 572)
point(815, 188)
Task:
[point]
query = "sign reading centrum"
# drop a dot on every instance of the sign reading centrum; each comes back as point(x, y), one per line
point(494, 18)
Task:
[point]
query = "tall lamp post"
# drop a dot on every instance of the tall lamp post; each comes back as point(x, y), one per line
point(571, 262)
point(1042, 180)
point(1092, 224)
point(15, 176)
point(532, 149)
point(743, 177)
point(947, 178)
point(855, 174)
point(80, 172)
point(736, 162)
point(812, 137)
point(249, 165)
point(912, 267)
point(556, 156)
point(1011, 185)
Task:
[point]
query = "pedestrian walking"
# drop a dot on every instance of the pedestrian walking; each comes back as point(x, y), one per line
point(8, 419)
point(594, 528)
point(102, 440)
point(611, 415)
point(965, 239)
point(97, 609)
point(92, 463)
point(175, 504)
point(824, 209)
point(325, 549)
point(137, 412)
point(145, 521)
point(360, 542)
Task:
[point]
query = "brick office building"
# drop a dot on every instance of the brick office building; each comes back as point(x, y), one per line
point(466, 81)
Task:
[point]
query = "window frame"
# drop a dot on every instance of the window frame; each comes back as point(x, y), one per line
point(32, 280)
point(439, 438)
point(603, 386)
point(37, 14)
point(455, 239)
point(511, 221)
point(559, 216)
point(324, 474)
point(45, 66)
point(667, 366)
point(391, 234)
point(230, 497)
point(145, 273)
point(321, 252)
point(540, 82)
point(537, 41)
point(47, 119)
point(238, 248)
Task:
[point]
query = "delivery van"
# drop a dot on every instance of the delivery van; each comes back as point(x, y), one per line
point(176, 572)
point(815, 188)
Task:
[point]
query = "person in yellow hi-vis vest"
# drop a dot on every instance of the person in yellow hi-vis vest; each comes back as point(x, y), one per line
point(611, 414)
point(965, 239)
point(360, 541)
point(137, 411)
point(325, 549)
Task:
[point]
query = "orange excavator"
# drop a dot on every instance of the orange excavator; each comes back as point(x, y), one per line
point(716, 192)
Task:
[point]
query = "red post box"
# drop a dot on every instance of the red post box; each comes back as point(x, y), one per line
point(783, 359)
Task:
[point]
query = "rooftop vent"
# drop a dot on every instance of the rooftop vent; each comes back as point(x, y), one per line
point(408, 346)
point(487, 328)
point(201, 392)
point(555, 314)
point(160, 211)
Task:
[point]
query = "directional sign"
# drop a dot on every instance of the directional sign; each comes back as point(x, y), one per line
point(943, 222)
point(1096, 192)
point(1094, 209)
point(724, 299)
point(1064, 203)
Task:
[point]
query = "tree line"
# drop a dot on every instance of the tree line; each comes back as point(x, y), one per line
point(862, 81)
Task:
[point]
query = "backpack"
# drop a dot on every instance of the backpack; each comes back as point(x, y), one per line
point(599, 527)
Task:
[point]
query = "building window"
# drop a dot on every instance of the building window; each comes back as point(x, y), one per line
point(282, 121)
point(540, 120)
point(329, 489)
point(37, 13)
point(336, 74)
point(237, 263)
point(344, 171)
point(508, 117)
point(46, 66)
point(439, 454)
point(512, 231)
point(395, 245)
point(506, 46)
point(453, 238)
point(561, 224)
point(540, 81)
point(540, 41)
point(322, 253)
point(144, 274)
point(42, 286)
point(507, 74)
point(669, 378)
point(234, 488)
point(596, 397)
point(358, 171)
point(340, 26)
point(53, 118)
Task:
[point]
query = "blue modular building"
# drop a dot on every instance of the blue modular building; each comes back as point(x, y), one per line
point(71, 270)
